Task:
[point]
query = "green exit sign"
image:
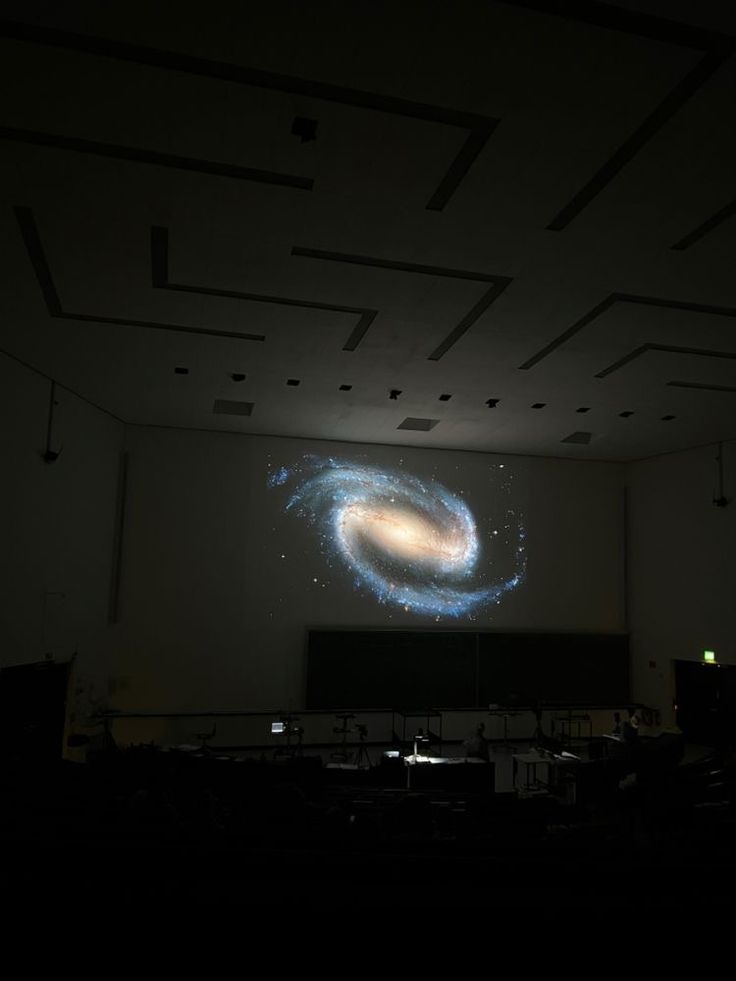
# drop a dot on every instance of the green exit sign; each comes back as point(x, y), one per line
point(709, 656)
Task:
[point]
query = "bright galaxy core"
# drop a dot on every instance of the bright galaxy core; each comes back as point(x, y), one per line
point(409, 542)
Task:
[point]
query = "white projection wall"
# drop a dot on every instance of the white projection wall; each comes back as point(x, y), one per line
point(429, 537)
point(236, 545)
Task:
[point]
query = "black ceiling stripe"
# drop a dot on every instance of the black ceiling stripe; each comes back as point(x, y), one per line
point(707, 226)
point(239, 74)
point(656, 301)
point(160, 280)
point(616, 18)
point(666, 349)
point(32, 240)
point(480, 127)
point(702, 386)
point(499, 284)
point(716, 48)
point(358, 332)
point(609, 301)
point(93, 318)
point(72, 391)
point(649, 128)
point(137, 155)
point(570, 332)
point(627, 358)
point(410, 267)
point(469, 319)
point(473, 145)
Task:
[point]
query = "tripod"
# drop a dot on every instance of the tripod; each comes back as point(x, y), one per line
point(505, 714)
point(290, 730)
point(203, 737)
point(342, 756)
point(298, 731)
point(362, 757)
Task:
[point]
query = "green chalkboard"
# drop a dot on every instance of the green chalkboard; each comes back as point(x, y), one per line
point(419, 669)
point(390, 669)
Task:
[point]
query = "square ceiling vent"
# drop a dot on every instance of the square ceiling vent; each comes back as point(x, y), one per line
point(418, 425)
point(227, 407)
point(581, 438)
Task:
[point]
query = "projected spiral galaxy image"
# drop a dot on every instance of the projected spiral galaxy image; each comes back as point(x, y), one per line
point(406, 541)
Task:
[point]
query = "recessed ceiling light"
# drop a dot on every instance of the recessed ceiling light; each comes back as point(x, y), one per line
point(305, 129)
point(583, 408)
point(668, 418)
point(539, 405)
point(345, 388)
point(492, 403)
point(293, 381)
point(237, 376)
point(394, 393)
point(180, 370)
point(445, 398)
point(625, 415)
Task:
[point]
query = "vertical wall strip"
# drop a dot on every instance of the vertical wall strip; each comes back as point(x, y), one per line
point(627, 586)
point(50, 424)
point(626, 571)
point(113, 612)
point(477, 669)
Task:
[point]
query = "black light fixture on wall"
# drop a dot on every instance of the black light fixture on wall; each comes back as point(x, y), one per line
point(49, 455)
point(719, 496)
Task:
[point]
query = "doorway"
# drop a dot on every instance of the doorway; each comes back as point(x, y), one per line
point(705, 702)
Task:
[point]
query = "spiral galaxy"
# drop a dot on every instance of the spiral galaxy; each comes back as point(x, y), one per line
point(410, 542)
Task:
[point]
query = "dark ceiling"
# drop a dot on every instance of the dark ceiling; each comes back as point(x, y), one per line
point(520, 217)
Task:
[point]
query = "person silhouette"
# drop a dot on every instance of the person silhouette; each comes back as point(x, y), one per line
point(476, 746)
